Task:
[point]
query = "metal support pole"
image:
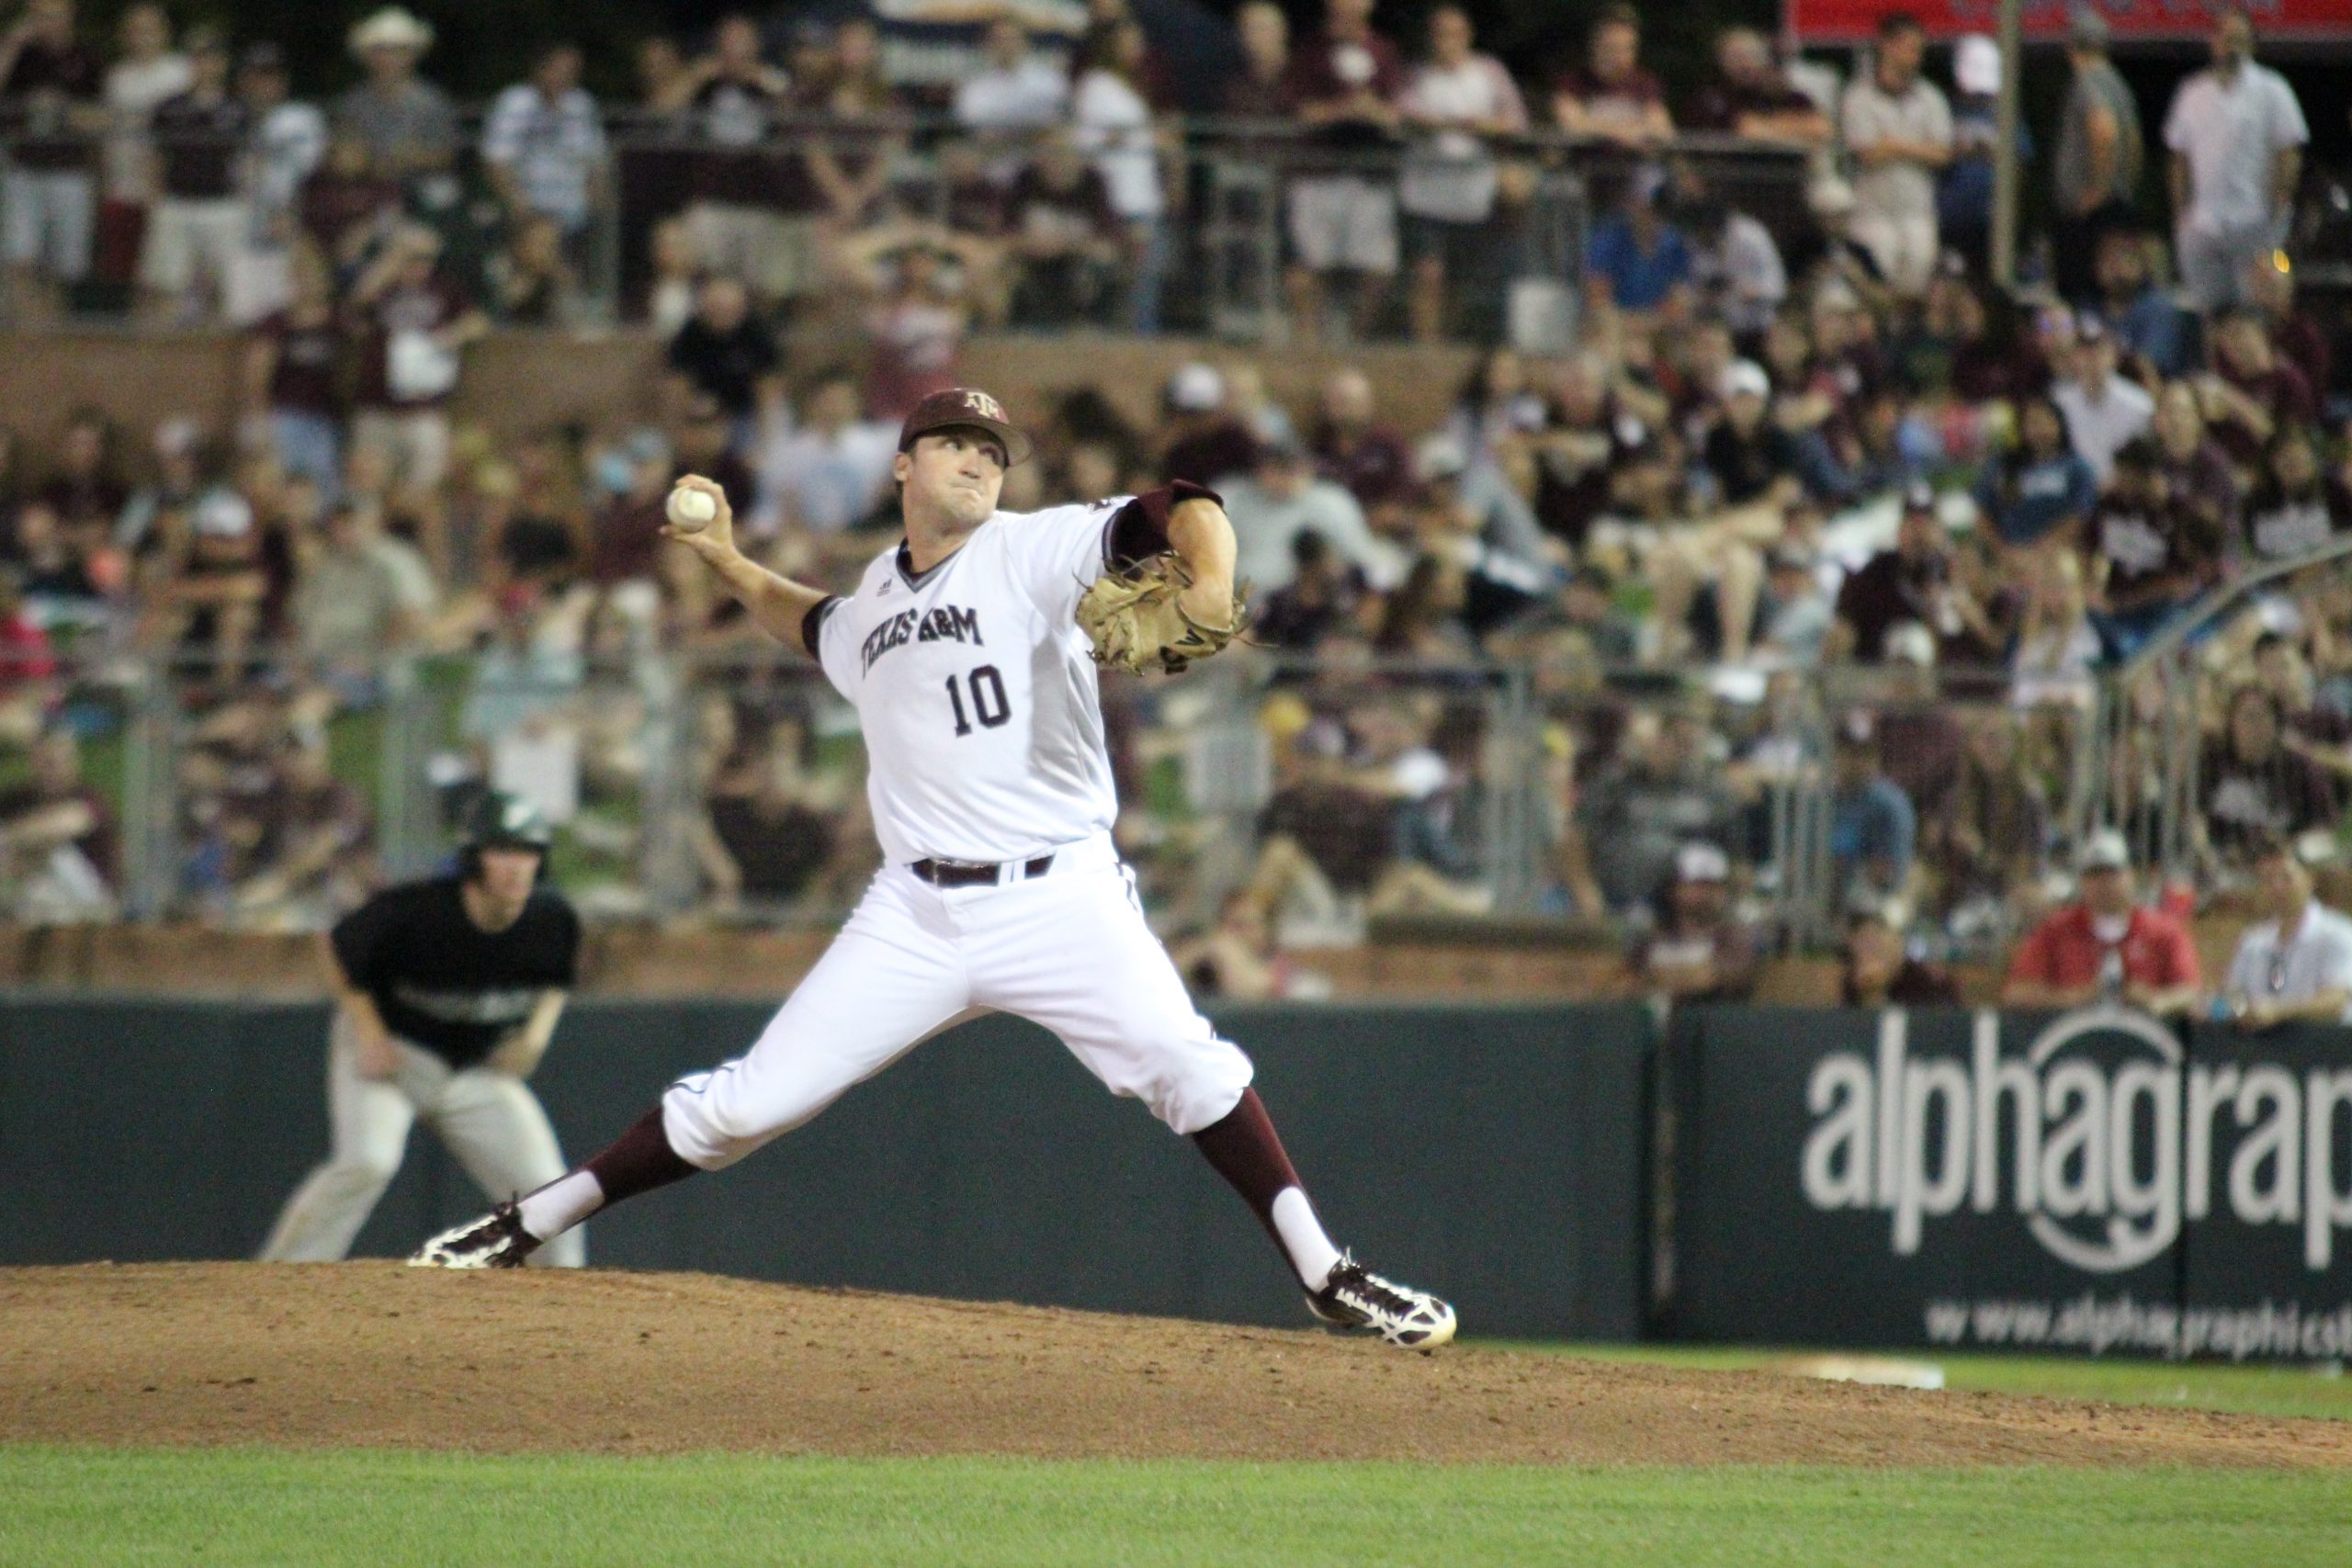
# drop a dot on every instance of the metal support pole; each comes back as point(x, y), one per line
point(2005, 151)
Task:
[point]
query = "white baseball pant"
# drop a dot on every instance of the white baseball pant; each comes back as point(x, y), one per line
point(1068, 950)
point(491, 1120)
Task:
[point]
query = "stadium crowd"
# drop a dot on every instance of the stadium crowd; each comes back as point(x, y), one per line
point(1822, 509)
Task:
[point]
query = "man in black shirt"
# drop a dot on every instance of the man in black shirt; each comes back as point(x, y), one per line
point(447, 991)
point(201, 227)
point(724, 352)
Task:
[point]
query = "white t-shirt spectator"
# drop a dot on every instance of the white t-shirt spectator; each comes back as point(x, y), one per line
point(134, 88)
point(284, 149)
point(1899, 187)
point(2102, 427)
point(1031, 93)
point(553, 150)
point(1113, 127)
point(2229, 136)
point(1449, 174)
point(824, 483)
point(1742, 275)
point(2318, 959)
point(1264, 524)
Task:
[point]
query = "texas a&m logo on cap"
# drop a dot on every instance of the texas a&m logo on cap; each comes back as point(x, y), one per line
point(983, 406)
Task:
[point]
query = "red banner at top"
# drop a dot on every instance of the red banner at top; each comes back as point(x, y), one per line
point(1851, 21)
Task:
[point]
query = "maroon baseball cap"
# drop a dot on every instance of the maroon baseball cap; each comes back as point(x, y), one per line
point(963, 406)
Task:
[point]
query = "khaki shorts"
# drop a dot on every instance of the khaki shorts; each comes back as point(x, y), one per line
point(1344, 222)
point(192, 240)
point(774, 255)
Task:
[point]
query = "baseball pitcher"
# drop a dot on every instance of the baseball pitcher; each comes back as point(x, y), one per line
point(447, 991)
point(968, 650)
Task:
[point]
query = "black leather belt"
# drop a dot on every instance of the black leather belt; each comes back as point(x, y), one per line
point(974, 874)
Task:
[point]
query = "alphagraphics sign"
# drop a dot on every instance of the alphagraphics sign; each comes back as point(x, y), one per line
point(2102, 1159)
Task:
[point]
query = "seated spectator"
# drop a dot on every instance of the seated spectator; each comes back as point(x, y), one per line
point(405, 124)
point(1920, 742)
point(1468, 514)
point(414, 321)
point(2057, 645)
point(2254, 390)
point(2156, 337)
point(1459, 100)
point(1199, 440)
point(1238, 959)
point(833, 471)
point(65, 582)
point(773, 824)
point(86, 489)
point(28, 661)
point(1635, 260)
point(2293, 966)
point(1749, 457)
point(1752, 96)
point(353, 602)
point(1352, 446)
point(1873, 828)
point(1613, 98)
point(209, 590)
point(1992, 357)
point(1989, 851)
point(1115, 126)
point(1662, 788)
point(1695, 949)
point(543, 147)
point(2300, 338)
point(1498, 407)
point(2255, 778)
point(1909, 583)
point(1876, 971)
point(2105, 948)
point(2296, 507)
point(57, 846)
point(2104, 411)
point(1343, 86)
point(1324, 594)
point(703, 442)
point(724, 352)
point(1282, 499)
point(1066, 237)
point(531, 283)
point(2150, 557)
point(2040, 492)
point(2197, 472)
point(1736, 273)
point(315, 862)
point(1795, 616)
point(628, 533)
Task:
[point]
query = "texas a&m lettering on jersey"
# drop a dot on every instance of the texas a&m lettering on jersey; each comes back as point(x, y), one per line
point(942, 623)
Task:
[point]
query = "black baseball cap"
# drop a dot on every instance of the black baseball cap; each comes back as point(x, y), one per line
point(962, 407)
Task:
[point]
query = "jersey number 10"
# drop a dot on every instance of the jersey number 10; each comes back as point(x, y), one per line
point(990, 704)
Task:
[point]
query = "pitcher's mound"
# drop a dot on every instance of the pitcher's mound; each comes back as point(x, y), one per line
point(378, 1354)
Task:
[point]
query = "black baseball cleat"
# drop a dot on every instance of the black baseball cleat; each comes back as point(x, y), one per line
point(497, 1240)
point(1355, 1298)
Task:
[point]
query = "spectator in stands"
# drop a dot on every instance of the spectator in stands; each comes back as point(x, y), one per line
point(1115, 126)
point(2255, 779)
point(752, 214)
point(1613, 98)
point(1736, 273)
point(1013, 94)
point(406, 124)
point(2104, 411)
point(1262, 89)
point(2295, 964)
point(1876, 971)
point(201, 223)
point(1873, 828)
point(1636, 260)
point(2105, 948)
point(833, 471)
point(1067, 238)
point(2300, 338)
point(353, 602)
point(543, 147)
point(704, 435)
point(2236, 134)
point(2040, 492)
point(773, 825)
point(1199, 438)
point(291, 387)
point(49, 90)
point(2150, 555)
point(1695, 948)
point(1663, 788)
point(1795, 616)
point(1459, 100)
point(1898, 126)
point(2095, 175)
point(414, 322)
point(916, 310)
point(1989, 851)
point(2197, 472)
point(2296, 507)
point(727, 354)
point(1324, 595)
point(853, 166)
point(1352, 445)
point(285, 145)
point(1238, 959)
point(1343, 86)
point(148, 71)
point(531, 284)
point(627, 530)
point(2254, 390)
point(57, 839)
point(2154, 333)
point(1752, 96)
point(1282, 498)
point(86, 489)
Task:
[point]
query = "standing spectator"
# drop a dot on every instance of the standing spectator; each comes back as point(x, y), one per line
point(543, 146)
point(1115, 124)
point(741, 185)
point(1613, 98)
point(290, 359)
point(1874, 827)
point(1877, 972)
point(1898, 126)
point(1695, 949)
point(2096, 175)
point(1459, 100)
point(406, 124)
point(149, 72)
point(2041, 490)
point(1065, 235)
point(1964, 186)
point(2104, 411)
point(2236, 133)
point(2150, 557)
point(1344, 84)
point(1752, 96)
point(286, 141)
point(2294, 965)
point(2105, 947)
point(200, 225)
point(1261, 90)
point(49, 90)
point(723, 353)
point(415, 323)
point(2296, 507)
point(1012, 97)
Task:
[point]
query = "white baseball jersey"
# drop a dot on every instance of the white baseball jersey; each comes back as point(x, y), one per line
point(977, 690)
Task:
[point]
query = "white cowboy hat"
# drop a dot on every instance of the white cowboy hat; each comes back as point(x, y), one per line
point(391, 28)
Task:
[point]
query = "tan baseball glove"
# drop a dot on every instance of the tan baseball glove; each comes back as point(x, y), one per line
point(1133, 617)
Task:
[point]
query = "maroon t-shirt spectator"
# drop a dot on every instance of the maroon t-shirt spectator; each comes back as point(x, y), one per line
point(2281, 392)
point(734, 121)
point(303, 378)
point(198, 141)
point(2204, 483)
point(1211, 454)
point(1326, 70)
point(32, 106)
point(1719, 106)
point(25, 653)
point(1378, 470)
point(332, 205)
point(1627, 99)
point(84, 499)
point(1081, 209)
point(1982, 371)
point(1887, 589)
point(2146, 546)
point(426, 308)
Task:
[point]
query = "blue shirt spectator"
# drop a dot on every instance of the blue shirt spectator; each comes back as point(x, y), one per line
point(1873, 830)
point(2144, 319)
point(2043, 486)
point(1636, 259)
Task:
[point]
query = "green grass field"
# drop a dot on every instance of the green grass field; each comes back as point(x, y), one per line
point(256, 1508)
point(118, 1508)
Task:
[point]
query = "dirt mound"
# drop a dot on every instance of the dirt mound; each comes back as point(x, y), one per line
point(377, 1354)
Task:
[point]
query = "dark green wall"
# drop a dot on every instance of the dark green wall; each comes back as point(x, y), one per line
point(1491, 1153)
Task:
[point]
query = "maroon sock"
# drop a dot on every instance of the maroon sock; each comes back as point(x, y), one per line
point(640, 1160)
point(1246, 1153)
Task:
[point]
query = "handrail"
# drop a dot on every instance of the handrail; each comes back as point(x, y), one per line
point(2205, 611)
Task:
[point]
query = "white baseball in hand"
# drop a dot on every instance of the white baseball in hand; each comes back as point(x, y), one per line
point(691, 510)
